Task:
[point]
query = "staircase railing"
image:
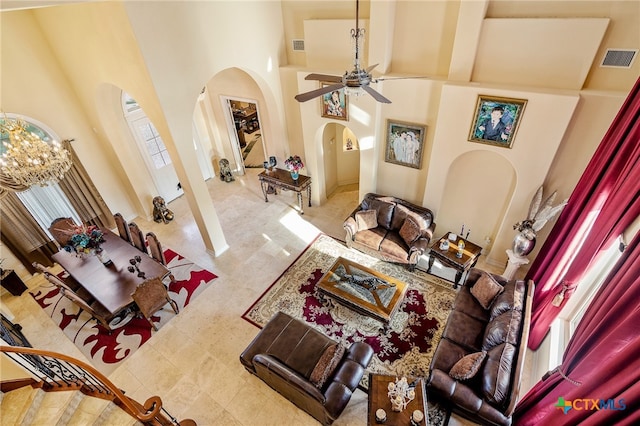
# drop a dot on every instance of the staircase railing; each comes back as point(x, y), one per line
point(55, 371)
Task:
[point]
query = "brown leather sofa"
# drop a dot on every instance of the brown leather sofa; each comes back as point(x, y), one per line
point(490, 396)
point(289, 355)
point(400, 232)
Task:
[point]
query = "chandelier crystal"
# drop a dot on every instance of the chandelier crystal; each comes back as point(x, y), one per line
point(27, 159)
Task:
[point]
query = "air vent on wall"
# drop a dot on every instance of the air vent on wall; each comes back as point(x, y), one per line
point(298, 45)
point(619, 58)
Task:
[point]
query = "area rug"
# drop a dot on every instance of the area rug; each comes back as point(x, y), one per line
point(405, 347)
point(106, 351)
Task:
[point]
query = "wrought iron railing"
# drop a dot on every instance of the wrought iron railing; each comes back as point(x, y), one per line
point(55, 371)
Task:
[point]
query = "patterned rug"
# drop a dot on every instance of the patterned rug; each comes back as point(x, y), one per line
point(405, 347)
point(104, 350)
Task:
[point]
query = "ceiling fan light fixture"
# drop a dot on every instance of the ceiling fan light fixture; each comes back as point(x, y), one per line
point(354, 91)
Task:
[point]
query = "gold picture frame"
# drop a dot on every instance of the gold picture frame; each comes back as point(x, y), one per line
point(334, 104)
point(496, 120)
point(404, 143)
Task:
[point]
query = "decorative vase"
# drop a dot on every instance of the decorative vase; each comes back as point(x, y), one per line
point(522, 245)
point(295, 175)
point(103, 257)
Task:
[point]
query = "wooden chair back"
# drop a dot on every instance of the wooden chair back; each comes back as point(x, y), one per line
point(137, 238)
point(151, 296)
point(155, 248)
point(95, 309)
point(123, 227)
point(61, 230)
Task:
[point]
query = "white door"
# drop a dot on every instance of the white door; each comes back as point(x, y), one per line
point(156, 157)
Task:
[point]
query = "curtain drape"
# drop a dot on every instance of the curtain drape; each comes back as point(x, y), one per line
point(605, 202)
point(25, 238)
point(83, 195)
point(601, 361)
point(22, 234)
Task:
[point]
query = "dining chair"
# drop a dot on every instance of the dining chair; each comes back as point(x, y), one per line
point(137, 238)
point(155, 248)
point(95, 309)
point(123, 227)
point(68, 281)
point(61, 230)
point(151, 296)
point(64, 287)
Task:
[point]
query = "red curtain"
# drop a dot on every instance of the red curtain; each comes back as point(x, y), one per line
point(601, 361)
point(603, 204)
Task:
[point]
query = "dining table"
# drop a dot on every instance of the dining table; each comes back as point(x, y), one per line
point(112, 285)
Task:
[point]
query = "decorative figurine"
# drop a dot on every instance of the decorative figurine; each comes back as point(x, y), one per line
point(160, 211)
point(225, 171)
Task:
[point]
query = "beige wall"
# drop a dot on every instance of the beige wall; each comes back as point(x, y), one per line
point(65, 66)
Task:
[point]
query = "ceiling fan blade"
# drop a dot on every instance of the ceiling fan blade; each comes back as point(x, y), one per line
point(377, 96)
point(371, 67)
point(324, 77)
point(304, 97)
point(399, 78)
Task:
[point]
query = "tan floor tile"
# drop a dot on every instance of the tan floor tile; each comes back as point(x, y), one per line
point(192, 362)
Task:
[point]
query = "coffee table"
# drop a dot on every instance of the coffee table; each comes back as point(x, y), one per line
point(469, 258)
point(362, 289)
point(378, 399)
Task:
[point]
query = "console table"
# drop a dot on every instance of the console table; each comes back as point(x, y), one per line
point(279, 178)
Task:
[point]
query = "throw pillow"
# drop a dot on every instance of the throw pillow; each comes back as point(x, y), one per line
point(486, 289)
point(410, 231)
point(366, 219)
point(468, 366)
point(325, 366)
point(385, 212)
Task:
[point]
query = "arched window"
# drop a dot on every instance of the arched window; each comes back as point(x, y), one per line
point(45, 203)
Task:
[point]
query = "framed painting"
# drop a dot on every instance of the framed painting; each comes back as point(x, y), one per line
point(496, 120)
point(405, 142)
point(335, 104)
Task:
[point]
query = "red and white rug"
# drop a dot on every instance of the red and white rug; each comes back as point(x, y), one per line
point(104, 350)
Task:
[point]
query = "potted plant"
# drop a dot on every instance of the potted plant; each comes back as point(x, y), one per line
point(294, 164)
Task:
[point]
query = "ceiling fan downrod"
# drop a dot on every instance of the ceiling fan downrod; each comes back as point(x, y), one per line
point(357, 35)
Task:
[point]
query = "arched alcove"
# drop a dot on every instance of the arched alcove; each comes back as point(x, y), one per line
point(341, 165)
point(218, 127)
point(477, 199)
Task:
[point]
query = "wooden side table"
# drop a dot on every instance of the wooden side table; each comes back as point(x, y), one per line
point(12, 282)
point(449, 257)
point(378, 399)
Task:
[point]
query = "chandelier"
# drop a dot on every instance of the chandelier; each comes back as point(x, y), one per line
point(27, 159)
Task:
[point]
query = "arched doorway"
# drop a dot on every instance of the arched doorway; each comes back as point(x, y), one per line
point(341, 155)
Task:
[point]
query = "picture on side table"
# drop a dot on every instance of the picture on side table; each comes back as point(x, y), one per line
point(335, 104)
point(496, 120)
point(404, 143)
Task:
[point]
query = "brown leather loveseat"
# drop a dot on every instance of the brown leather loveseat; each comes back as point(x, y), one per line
point(390, 229)
point(307, 367)
point(478, 364)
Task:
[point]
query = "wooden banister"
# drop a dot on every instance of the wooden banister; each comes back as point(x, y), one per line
point(76, 375)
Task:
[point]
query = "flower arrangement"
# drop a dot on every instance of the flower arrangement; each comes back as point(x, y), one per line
point(294, 163)
point(84, 239)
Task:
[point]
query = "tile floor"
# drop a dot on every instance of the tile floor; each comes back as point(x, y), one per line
point(192, 362)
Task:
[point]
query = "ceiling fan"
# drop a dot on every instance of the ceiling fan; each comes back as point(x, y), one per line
point(353, 80)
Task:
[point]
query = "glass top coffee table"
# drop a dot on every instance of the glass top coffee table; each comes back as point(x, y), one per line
point(362, 289)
